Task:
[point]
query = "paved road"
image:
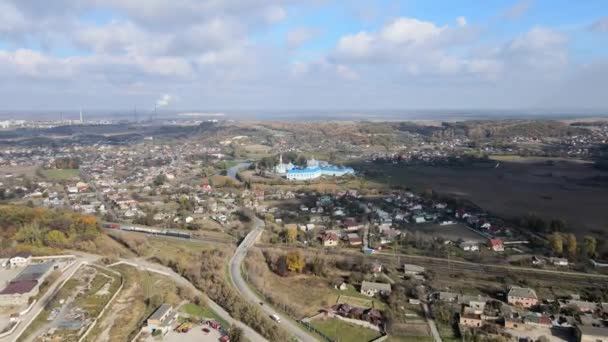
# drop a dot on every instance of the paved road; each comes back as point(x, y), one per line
point(431, 322)
point(37, 308)
point(251, 334)
point(239, 283)
point(235, 169)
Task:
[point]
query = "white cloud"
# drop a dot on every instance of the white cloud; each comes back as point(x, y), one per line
point(346, 73)
point(410, 31)
point(538, 38)
point(358, 45)
point(518, 10)
point(11, 20)
point(295, 38)
point(461, 21)
point(216, 53)
point(164, 100)
point(275, 14)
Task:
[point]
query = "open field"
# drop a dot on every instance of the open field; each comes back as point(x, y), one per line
point(514, 189)
point(18, 171)
point(339, 330)
point(203, 312)
point(355, 301)
point(61, 174)
point(450, 232)
point(75, 305)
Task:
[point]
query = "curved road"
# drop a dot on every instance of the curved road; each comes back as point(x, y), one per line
point(251, 334)
point(239, 283)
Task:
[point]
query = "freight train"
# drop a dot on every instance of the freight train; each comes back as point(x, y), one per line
point(147, 230)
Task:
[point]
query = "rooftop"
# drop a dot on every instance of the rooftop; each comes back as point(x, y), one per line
point(593, 331)
point(160, 312)
point(375, 286)
point(34, 272)
point(522, 292)
point(19, 287)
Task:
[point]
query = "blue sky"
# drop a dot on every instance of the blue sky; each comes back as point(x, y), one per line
point(316, 54)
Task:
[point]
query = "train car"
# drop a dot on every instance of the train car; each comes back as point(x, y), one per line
point(184, 235)
point(111, 225)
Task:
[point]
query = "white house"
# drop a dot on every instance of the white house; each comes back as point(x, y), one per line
point(469, 246)
point(20, 259)
point(371, 289)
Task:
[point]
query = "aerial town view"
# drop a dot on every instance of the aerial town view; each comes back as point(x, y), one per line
point(329, 171)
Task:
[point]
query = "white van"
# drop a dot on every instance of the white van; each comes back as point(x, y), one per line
point(276, 318)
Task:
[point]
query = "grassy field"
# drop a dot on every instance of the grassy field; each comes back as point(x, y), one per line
point(354, 301)
point(341, 331)
point(447, 332)
point(203, 312)
point(450, 232)
point(61, 174)
point(354, 297)
point(514, 189)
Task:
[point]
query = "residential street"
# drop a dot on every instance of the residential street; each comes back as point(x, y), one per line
point(239, 283)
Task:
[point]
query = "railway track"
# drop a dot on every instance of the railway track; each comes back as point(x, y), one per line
point(445, 266)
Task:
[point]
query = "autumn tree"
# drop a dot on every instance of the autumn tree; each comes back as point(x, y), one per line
point(295, 261)
point(557, 243)
point(291, 234)
point(55, 238)
point(572, 246)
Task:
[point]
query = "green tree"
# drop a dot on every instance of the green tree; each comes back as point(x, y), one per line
point(590, 246)
point(55, 238)
point(318, 266)
point(30, 234)
point(558, 225)
point(160, 180)
point(269, 218)
point(236, 334)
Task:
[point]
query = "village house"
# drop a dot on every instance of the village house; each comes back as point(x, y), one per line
point(583, 306)
point(559, 261)
point(496, 245)
point(469, 246)
point(354, 239)
point(160, 320)
point(329, 239)
point(351, 224)
point(586, 333)
point(522, 296)
point(471, 320)
point(412, 270)
point(20, 259)
point(371, 289)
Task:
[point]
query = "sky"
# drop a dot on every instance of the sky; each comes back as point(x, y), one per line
point(303, 54)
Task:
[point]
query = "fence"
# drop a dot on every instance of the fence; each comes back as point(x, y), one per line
point(313, 329)
point(6, 333)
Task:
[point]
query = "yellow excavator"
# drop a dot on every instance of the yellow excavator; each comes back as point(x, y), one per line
point(184, 327)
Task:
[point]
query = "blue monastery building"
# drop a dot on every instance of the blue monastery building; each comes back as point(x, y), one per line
point(314, 169)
